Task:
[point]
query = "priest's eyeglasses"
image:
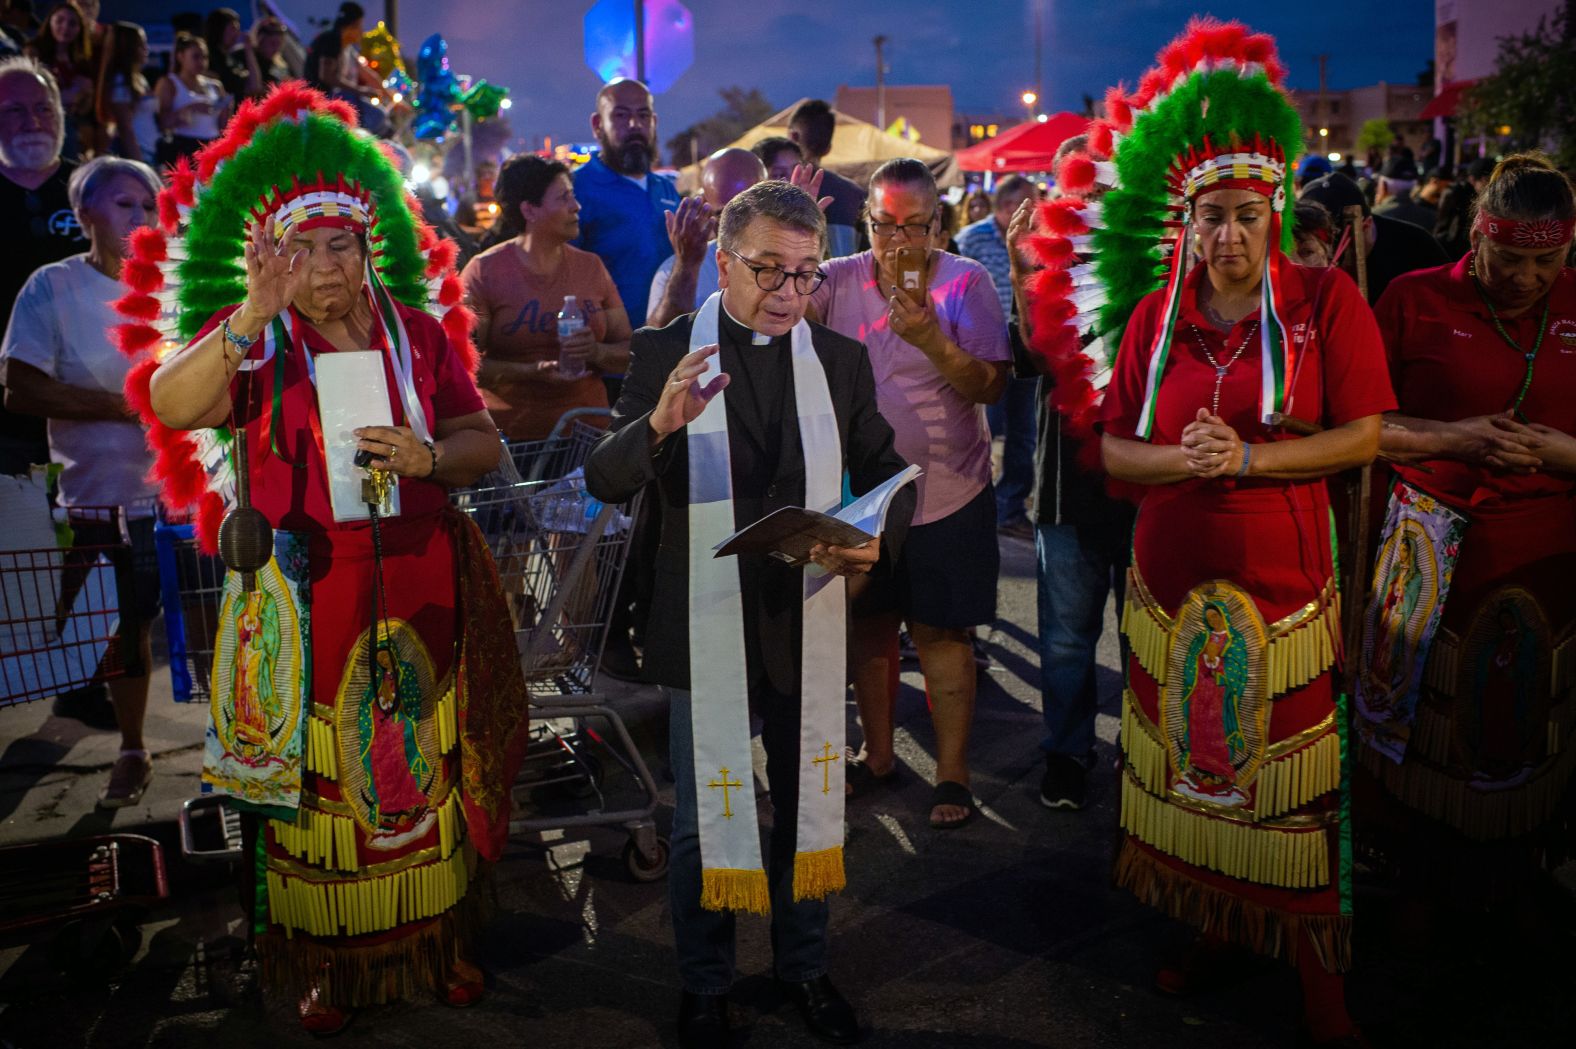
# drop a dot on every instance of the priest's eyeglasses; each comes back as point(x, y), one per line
point(770, 278)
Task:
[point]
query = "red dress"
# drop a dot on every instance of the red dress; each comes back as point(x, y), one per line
point(1254, 854)
point(1492, 748)
point(361, 886)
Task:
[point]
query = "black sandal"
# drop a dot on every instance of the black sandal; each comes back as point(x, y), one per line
point(948, 792)
point(861, 781)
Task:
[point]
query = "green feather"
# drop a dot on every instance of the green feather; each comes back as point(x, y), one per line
point(212, 274)
point(1128, 246)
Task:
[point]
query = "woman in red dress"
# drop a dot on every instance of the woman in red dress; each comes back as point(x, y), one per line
point(1483, 355)
point(392, 706)
point(1244, 839)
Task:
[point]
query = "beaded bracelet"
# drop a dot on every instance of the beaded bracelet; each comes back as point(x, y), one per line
point(433, 452)
point(243, 341)
point(1247, 457)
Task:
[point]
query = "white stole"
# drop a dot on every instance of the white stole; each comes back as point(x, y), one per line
point(733, 875)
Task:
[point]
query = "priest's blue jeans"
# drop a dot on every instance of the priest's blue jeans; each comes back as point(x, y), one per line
point(705, 939)
point(1076, 572)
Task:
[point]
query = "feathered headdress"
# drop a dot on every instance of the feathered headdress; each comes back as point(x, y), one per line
point(297, 160)
point(1210, 115)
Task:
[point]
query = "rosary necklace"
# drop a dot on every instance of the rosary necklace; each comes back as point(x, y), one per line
point(1222, 369)
point(1531, 356)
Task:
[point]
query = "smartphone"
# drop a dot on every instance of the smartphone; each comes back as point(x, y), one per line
point(913, 273)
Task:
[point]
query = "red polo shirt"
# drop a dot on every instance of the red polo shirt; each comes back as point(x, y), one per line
point(1448, 363)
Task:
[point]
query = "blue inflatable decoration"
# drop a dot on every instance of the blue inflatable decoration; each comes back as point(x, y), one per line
point(440, 90)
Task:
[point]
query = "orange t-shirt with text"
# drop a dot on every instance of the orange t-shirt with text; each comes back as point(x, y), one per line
point(520, 311)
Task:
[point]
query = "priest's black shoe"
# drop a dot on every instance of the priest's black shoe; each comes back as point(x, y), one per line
point(703, 1021)
point(826, 1012)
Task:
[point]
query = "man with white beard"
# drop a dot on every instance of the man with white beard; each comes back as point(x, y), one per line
point(37, 214)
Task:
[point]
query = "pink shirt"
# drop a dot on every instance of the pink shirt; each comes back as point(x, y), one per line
point(937, 428)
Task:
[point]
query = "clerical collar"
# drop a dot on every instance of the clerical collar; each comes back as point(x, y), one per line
point(756, 338)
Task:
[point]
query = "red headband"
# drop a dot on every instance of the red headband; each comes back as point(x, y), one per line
point(1540, 233)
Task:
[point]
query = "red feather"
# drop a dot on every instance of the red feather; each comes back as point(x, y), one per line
point(1260, 47)
point(138, 307)
point(149, 243)
point(1076, 175)
point(441, 256)
point(1102, 138)
point(1054, 252)
point(1064, 217)
point(1118, 109)
point(209, 513)
point(450, 292)
point(136, 386)
point(1052, 282)
point(183, 183)
point(169, 214)
point(1150, 85)
point(132, 339)
point(457, 325)
point(141, 275)
point(344, 111)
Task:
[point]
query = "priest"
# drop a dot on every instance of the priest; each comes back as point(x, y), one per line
point(728, 414)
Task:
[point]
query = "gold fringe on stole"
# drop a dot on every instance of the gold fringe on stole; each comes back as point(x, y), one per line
point(1444, 663)
point(726, 889)
point(1290, 859)
point(1141, 747)
point(1294, 779)
point(817, 875)
point(448, 724)
point(1304, 647)
point(1301, 646)
point(321, 753)
point(1266, 930)
point(350, 975)
point(357, 906)
point(1562, 666)
point(1147, 627)
point(1561, 720)
point(1294, 772)
point(329, 839)
point(1482, 815)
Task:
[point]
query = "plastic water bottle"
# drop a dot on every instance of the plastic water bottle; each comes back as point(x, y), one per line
point(570, 321)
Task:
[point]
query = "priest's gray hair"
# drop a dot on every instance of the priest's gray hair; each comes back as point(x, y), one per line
point(776, 200)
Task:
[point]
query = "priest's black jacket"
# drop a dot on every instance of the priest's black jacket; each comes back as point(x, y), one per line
point(768, 474)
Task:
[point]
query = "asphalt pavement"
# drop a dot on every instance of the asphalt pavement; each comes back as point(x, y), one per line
point(1002, 934)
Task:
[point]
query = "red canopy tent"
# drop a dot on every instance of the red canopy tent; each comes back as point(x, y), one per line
point(1447, 101)
point(1025, 147)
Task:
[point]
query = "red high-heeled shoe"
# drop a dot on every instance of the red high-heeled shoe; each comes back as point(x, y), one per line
point(464, 986)
point(318, 1018)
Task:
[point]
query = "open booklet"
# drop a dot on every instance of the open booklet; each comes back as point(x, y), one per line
point(789, 533)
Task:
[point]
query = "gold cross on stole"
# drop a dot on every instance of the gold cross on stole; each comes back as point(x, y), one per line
point(826, 768)
point(725, 783)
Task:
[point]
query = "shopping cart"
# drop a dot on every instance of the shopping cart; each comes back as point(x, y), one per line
point(191, 585)
point(68, 617)
point(63, 613)
point(560, 557)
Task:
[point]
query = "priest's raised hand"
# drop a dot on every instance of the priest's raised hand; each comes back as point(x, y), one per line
point(683, 396)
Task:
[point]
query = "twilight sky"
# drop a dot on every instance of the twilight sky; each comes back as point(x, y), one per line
point(982, 48)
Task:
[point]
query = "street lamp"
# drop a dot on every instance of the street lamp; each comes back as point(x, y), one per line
point(1029, 98)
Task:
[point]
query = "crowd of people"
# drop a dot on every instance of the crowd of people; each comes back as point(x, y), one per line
point(787, 337)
